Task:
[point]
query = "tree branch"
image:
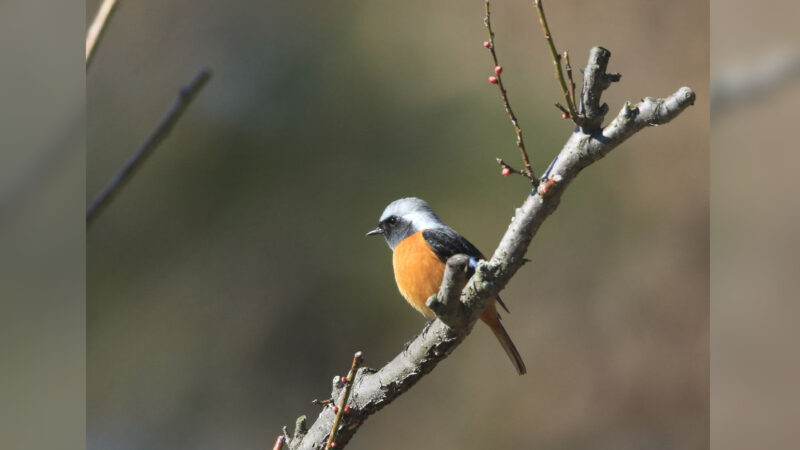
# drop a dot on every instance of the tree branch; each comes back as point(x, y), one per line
point(98, 26)
point(162, 130)
point(568, 99)
point(446, 304)
point(497, 79)
point(372, 390)
point(343, 408)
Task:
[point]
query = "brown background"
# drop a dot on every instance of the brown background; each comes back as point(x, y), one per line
point(755, 223)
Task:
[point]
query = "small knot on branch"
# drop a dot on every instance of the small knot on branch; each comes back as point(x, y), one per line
point(336, 388)
point(544, 188)
point(300, 429)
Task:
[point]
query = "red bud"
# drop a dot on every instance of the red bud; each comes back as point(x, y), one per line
point(505, 172)
point(498, 69)
point(564, 116)
point(493, 79)
point(487, 44)
point(346, 409)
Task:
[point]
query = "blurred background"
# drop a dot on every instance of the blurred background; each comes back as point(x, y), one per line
point(755, 362)
point(42, 225)
point(231, 279)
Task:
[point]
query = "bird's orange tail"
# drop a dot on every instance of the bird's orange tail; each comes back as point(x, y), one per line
point(491, 318)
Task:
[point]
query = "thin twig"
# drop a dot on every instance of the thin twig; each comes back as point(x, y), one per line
point(162, 130)
point(528, 170)
point(557, 63)
point(568, 67)
point(343, 408)
point(507, 169)
point(98, 26)
point(564, 111)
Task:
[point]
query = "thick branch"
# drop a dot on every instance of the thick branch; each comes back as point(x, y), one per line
point(446, 303)
point(372, 390)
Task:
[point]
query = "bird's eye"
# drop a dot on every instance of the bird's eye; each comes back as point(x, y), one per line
point(392, 220)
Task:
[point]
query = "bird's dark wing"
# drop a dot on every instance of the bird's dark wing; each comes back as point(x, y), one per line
point(446, 242)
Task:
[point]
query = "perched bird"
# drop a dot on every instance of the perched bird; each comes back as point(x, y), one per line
point(421, 245)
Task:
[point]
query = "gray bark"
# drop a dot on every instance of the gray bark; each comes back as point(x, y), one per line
point(374, 389)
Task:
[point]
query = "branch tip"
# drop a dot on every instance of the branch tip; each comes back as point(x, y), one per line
point(98, 27)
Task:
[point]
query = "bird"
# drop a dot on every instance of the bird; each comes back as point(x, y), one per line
point(421, 244)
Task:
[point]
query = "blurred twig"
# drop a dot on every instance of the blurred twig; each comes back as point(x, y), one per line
point(95, 32)
point(161, 131)
point(498, 79)
point(374, 389)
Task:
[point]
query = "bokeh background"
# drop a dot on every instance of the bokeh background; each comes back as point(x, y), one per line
point(42, 227)
point(231, 280)
point(754, 227)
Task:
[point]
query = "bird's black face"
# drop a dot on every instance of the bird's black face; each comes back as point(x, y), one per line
point(394, 229)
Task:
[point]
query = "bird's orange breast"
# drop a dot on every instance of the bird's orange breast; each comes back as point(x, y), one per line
point(418, 272)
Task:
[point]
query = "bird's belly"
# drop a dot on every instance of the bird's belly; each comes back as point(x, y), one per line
point(417, 271)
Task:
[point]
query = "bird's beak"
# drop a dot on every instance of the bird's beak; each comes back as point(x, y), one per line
point(375, 231)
